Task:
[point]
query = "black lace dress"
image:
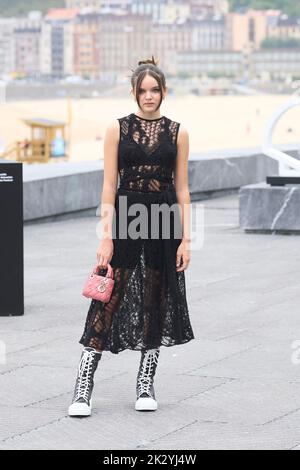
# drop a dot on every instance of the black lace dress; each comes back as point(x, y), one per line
point(148, 306)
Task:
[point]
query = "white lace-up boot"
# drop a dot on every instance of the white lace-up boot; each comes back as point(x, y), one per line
point(144, 388)
point(82, 402)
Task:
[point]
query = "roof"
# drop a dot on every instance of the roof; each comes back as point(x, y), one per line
point(285, 20)
point(43, 122)
point(62, 13)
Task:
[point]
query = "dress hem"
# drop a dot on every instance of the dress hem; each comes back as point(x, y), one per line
point(140, 348)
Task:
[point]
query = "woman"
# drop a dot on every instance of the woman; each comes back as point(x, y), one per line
point(148, 306)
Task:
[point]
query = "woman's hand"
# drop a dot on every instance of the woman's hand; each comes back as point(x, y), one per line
point(183, 256)
point(105, 252)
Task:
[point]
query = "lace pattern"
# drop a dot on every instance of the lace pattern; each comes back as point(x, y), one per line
point(154, 142)
point(148, 307)
point(145, 378)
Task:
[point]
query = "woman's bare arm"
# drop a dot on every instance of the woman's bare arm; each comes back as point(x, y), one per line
point(110, 181)
point(183, 198)
point(181, 180)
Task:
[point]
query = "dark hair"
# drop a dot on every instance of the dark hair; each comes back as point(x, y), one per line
point(147, 67)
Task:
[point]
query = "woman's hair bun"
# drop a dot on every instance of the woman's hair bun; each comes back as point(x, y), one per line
point(148, 61)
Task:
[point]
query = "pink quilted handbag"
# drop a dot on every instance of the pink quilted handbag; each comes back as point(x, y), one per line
point(99, 287)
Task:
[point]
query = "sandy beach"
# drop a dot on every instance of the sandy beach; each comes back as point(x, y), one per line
point(213, 122)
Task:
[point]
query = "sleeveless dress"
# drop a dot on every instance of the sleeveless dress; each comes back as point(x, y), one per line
point(148, 306)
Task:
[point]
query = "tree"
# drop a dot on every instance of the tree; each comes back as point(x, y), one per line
point(291, 7)
point(19, 7)
point(280, 43)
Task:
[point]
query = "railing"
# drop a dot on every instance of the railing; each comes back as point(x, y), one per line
point(30, 152)
point(10, 150)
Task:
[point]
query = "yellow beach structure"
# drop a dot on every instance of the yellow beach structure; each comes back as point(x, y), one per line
point(47, 142)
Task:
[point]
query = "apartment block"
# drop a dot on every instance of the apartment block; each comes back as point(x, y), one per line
point(91, 5)
point(27, 33)
point(7, 45)
point(246, 31)
point(197, 63)
point(57, 42)
point(277, 62)
point(202, 8)
point(207, 34)
point(87, 45)
point(284, 27)
point(124, 40)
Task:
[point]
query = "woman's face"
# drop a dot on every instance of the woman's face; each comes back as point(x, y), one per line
point(149, 94)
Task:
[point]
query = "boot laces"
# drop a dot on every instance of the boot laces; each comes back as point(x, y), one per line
point(85, 370)
point(145, 379)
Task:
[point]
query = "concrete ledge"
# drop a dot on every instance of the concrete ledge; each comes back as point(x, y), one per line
point(57, 189)
point(64, 190)
point(228, 170)
point(265, 208)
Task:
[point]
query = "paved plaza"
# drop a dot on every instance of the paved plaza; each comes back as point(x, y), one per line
point(235, 386)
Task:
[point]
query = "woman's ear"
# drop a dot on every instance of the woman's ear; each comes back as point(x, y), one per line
point(165, 92)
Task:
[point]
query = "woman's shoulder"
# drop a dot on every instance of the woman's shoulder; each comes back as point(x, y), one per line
point(125, 118)
point(117, 126)
point(178, 131)
point(113, 130)
point(115, 122)
point(171, 120)
point(182, 136)
point(174, 125)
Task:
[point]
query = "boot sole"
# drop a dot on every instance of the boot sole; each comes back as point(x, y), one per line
point(80, 409)
point(146, 404)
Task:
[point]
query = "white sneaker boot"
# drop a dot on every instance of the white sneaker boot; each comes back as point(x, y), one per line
point(82, 402)
point(144, 389)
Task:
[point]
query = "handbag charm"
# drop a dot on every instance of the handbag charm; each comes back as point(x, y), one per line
point(102, 285)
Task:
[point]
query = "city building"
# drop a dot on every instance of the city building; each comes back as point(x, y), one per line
point(107, 38)
point(57, 42)
point(87, 5)
point(87, 45)
point(166, 40)
point(7, 46)
point(197, 63)
point(202, 8)
point(27, 33)
point(246, 31)
point(124, 40)
point(103, 6)
point(279, 63)
point(284, 27)
point(207, 34)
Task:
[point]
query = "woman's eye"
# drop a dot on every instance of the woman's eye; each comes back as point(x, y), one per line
point(156, 91)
